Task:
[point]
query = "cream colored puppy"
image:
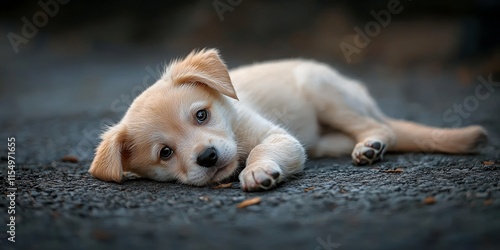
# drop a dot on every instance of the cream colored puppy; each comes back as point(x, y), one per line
point(199, 122)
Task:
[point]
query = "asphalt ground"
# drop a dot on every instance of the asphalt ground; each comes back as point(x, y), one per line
point(408, 201)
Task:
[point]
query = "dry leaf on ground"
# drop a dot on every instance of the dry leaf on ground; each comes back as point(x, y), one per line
point(397, 170)
point(69, 158)
point(488, 163)
point(249, 202)
point(429, 200)
point(224, 185)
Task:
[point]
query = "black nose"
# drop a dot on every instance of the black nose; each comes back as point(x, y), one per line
point(207, 158)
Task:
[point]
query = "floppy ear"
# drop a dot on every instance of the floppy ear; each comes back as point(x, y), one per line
point(110, 159)
point(205, 67)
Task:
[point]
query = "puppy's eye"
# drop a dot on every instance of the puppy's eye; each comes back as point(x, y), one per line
point(201, 116)
point(165, 153)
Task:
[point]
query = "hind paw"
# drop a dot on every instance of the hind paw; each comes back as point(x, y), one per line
point(368, 152)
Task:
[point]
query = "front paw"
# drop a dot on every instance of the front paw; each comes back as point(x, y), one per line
point(260, 176)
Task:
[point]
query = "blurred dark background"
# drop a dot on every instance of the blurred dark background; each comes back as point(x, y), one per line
point(86, 54)
point(67, 70)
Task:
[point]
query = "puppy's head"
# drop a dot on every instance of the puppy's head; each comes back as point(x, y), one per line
point(181, 128)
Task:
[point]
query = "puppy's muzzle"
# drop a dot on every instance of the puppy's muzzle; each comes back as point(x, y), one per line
point(207, 158)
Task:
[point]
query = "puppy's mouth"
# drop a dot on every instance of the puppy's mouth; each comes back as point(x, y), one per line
point(204, 173)
point(218, 174)
point(219, 170)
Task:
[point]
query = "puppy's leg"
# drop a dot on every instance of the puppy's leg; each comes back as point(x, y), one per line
point(373, 142)
point(414, 137)
point(346, 105)
point(272, 153)
point(373, 137)
point(332, 145)
point(275, 158)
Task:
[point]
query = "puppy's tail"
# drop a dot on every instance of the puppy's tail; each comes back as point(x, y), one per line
point(413, 137)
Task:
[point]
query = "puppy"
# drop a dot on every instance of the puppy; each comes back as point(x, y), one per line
point(199, 122)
